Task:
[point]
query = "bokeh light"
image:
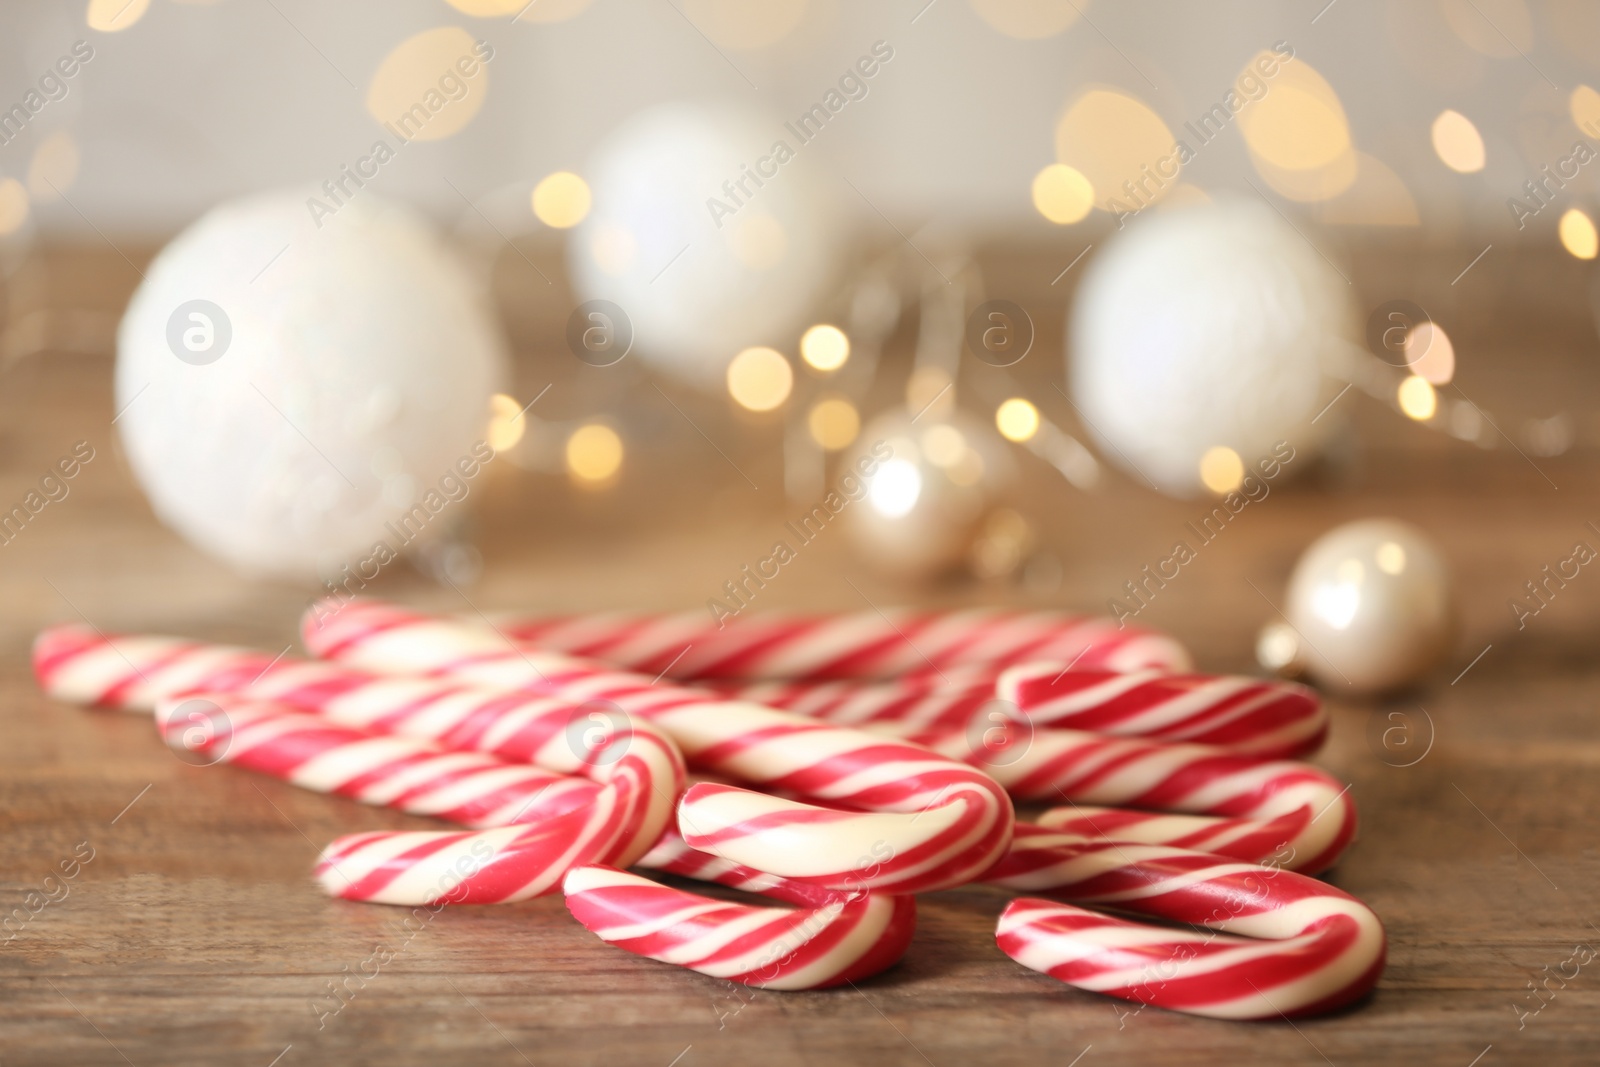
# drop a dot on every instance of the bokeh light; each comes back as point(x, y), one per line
point(1502, 29)
point(1578, 234)
point(13, 206)
point(54, 166)
point(1029, 20)
point(1017, 419)
point(594, 453)
point(1584, 106)
point(1062, 194)
point(1417, 398)
point(1221, 469)
point(825, 347)
point(1430, 354)
point(507, 423)
point(760, 378)
point(744, 26)
point(834, 423)
point(421, 91)
point(1457, 142)
point(943, 444)
point(561, 200)
point(1299, 124)
point(1111, 138)
point(543, 11)
point(110, 16)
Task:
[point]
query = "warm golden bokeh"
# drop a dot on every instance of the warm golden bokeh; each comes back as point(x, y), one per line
point(1377, 197)
point(411, 88)
point(1430, 353)
point(760, 379)
point(1029, 20)
point(561, 200)
point(1112, 138)
point(1417, 398)
point(111, 16)
point(1299, 124)
point(13, 206)
point(743, 25)
point(1584, 107)
point(1062, 194)
point(1017, 419)
point(507, 423)
point(54, 166)
point(543, 11)
point(825, 347)
point(594, 453)
point(1578, 234)
point(833, 422)
point(1457, 142)
point(1221, 469)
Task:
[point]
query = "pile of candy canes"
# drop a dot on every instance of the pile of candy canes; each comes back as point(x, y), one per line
point(841, 765)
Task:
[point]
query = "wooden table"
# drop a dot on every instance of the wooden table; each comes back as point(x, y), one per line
point(195, 934)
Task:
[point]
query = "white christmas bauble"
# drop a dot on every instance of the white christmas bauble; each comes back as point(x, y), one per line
point(710, 231)
point(1369, 608)
point(1205, 326)
point(291, 386)
point(934, 481)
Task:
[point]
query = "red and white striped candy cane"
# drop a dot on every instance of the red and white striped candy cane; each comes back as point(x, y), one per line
point(845, 938)
point(639, 771)
point(1240, 806)
point(1246, 715)
point(1318, 948)
point(404, 773)
point(861, 645)
point(1250, 715)
point(917, 821)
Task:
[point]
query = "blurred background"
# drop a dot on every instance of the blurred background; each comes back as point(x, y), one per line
point(1013, 293)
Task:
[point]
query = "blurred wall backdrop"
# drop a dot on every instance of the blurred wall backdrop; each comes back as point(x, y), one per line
point(1424, 117)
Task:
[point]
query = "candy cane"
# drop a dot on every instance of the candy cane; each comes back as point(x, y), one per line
point(1322, 948)
point(403, 773)
point(862, 645)
point(1232, 805)
point(1246, 715)
point(1264, 717)
point(639, 771)
point(919, 821)
point(849, 938)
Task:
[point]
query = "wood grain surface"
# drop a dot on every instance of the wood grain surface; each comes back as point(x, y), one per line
point(196, 935)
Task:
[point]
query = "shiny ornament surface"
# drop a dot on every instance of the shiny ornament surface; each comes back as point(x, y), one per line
point(1370, 604)
point(291, 387)
point(1213, 325)
point(926, 501)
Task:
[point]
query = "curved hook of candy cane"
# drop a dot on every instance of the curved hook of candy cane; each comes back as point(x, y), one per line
point(1228, 804)
point(1279, 943)
point(640, 773)
point(959, 818)
point(851, 937)
point(411, 775)
point(1263, 717)
point(945, 844)
point(855, 646)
